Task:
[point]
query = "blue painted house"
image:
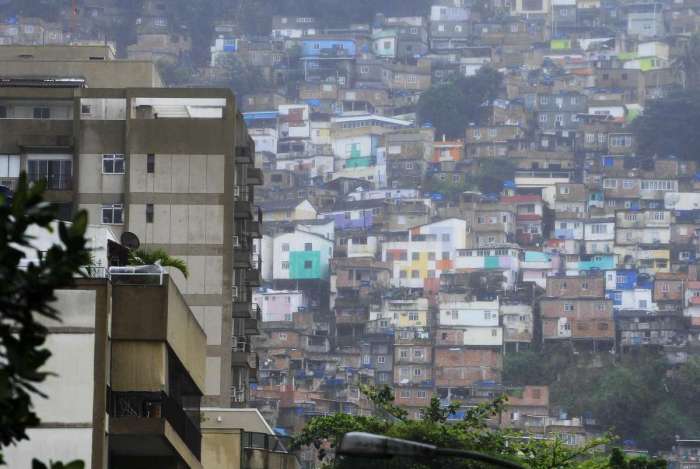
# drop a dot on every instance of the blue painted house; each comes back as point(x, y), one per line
point(328, 48)
point(352, 215)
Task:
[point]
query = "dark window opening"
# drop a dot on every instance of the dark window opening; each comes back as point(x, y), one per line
point(149, 213)
point(151, 163)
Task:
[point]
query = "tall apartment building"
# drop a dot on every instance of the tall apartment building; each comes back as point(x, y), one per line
point(173, 166)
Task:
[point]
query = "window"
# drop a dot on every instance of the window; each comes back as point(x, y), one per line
point(599, 228)
point(543, 118)
point(366, 359)
point(308, 264)
point(544, 99)
point(113, 214)
point(421, 394)
point(445, 237)
point(85, 109)
point(415, 256)
point(659, 216)
point(3, 112)
point(308, 246)
point(445, 255)
point(658, 185)
point(568, 307)
point(642, 304)
point(42, 113)
point(431, 274)
point(9, 166)
point(151, 163)
point(493, 132)
point(415, 274)
point(494, 332)
point(113, 164)
point(285, 247)
point(285, 266)
point(431, 256)
point(564, 190)
point(403, 274)
point(413, 316)
point(477, 133)
point(409, 165)
point(405, 394)
point(57, 173)
point(403, 353)
point(627, 184)
point(149, 213)
point(418, 353)
point(417, 372)
point(609, 183)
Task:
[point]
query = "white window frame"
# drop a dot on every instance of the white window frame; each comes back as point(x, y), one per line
point(114, 158)
point(114, 209)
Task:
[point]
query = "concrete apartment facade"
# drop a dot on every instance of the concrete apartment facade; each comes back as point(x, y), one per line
point(173, 166)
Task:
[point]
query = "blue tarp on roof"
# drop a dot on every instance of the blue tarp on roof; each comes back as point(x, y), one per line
point(251, 116)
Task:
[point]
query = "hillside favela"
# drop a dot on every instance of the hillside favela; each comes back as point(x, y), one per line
point(349, 234)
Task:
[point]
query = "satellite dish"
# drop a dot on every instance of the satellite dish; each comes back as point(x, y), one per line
point(130, 240)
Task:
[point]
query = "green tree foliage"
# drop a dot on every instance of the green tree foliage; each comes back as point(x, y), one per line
point(148, 257)
point(58, 465)
point(26, 295)
point(493, 173)
point(687, 64)
point(640, 397)
point(469, 433)
point(242, 78)
point(451, 107)
point(669, 126)
point(442, 107)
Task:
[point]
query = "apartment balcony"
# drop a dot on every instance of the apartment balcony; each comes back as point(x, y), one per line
point(243, 209)
point(261, 450)
point(351, 317)
point(144, 425)
point(242, 359)
point(242, 257)
point(253, 278)
point(251, 327)
point(254, 229)
point(244, 155)
point(246, 310)
point(254, 176)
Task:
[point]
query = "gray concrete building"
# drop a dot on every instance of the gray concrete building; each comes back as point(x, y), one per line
point(173, 166)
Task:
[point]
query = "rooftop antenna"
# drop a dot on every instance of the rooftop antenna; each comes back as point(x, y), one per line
point(74, 17)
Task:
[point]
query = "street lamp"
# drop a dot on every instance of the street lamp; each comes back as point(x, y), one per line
point(369, 445)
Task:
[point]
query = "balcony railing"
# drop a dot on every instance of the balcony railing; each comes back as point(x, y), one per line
point(157, 405)
point(244, 155)
point(254, 176)
point(246, 310)
point(243, 209)
point(54, 182)
point(253, 278)
point(262, 441)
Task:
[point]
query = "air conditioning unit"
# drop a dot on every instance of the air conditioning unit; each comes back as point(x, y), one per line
point(234, 292)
